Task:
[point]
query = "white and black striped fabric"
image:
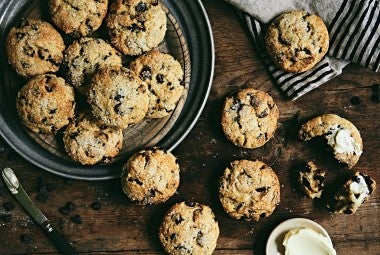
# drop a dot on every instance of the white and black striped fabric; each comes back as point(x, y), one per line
point(355, 33)
point(354, 37)
point(293, 85)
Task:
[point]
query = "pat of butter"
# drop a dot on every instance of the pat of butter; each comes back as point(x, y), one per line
point(301, 241)
point(342, 142)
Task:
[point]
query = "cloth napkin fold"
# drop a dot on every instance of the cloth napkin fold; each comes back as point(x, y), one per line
point(354, 29)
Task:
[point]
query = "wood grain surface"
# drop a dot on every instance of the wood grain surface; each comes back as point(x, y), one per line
point(122, 227)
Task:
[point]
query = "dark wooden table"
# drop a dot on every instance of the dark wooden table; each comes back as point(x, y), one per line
point(121, 227)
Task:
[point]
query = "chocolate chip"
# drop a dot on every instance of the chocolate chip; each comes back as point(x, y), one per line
point(306, 183)
point(376, 88)
point(8, 206)
point(26, 238)
point(160, 78)
point(71, 206)
point(73, 136)
point(199, 240)
point(76, 219)
point(355, 179)
point(42, 197)
point(263, 114)
point(191, 203)
point(355, 100)
point(41, 182)
point(134, 27)
point(146, 73)
point(5, 218)
point(172, 236)
point(183, 249)
point(136, 180)
point(49, 88)
point(52, 111)
point(262, 189)
point(96, 206)
point(64, 210)
point(117, 109)
point(118, 97)
point(263, 215)
point(141, 7)
point(177, 219)
point(375, 98)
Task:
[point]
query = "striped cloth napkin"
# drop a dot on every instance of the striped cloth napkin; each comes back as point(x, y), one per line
point(354, 29)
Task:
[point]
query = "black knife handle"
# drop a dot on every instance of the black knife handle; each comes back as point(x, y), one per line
point(62, 245)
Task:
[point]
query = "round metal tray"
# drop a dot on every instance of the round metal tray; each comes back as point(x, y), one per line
point(188, 39)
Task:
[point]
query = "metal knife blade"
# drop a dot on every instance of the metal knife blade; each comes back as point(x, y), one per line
point(22, 197)
point(18, 191)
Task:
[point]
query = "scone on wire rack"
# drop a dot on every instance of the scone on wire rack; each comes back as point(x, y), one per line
point(88, 141)
point(163, 75)
point(84, 57)
point(34, 47)
point(343, 137)
point(78, 17)
point(353, 194)
point(118, 97)
point(46, 103)
point(136, 26)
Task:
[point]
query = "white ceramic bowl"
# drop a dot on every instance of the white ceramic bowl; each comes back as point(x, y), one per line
point(274, 244)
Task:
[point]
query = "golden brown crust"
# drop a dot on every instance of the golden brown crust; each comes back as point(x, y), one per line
point(324, 125)
point(249, 118)
point(136, 26)
point(46, 103)
point(150, 176)
point(249, 190)
point(88, 142)
point(78, 17)
point(189, 229)
point(311, 179)
point(297, 40)
point(163, 75)
point(34, 48)
point(118, 97)
point(84, 57)
point(353, 194)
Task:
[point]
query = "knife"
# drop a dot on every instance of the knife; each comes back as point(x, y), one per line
point(14, 186)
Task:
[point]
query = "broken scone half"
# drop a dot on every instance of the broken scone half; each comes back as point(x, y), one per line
point(353, 194)
point(343, 137)
point(311, 179)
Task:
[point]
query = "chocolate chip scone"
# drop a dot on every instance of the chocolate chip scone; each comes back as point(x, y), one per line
point(34, 48)
point(46, 103)
point(136, 26)
point(343, 137)
point(189, 229)
point(89, 142)
point(249, 118)
point(297, 40)
point(311, 179)
point(163, 75)
point(353, 194)
point(78, 17)
point(84, 57)
point(118, 97)
point(249, 190)
point(150, 176)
